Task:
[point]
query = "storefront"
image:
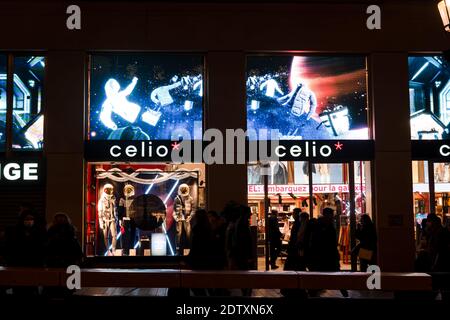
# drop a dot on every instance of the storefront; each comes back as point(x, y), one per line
point(321, 102)
point(429, 92)
point(113, 81)
point(139, 202)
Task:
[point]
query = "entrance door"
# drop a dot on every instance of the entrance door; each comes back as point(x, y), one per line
point(441, 171)
point(342, 186)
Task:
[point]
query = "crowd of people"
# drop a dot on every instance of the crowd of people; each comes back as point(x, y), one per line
point(224, 241)
point(433, 245)
point(30, 243)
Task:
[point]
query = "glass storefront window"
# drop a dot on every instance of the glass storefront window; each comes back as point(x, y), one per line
point(3, 104)
point(146, 96)
point(421, 195)
point(289, 188)
point(142, 209)
point(28, 118)
point(363, 196)
point(442, 190)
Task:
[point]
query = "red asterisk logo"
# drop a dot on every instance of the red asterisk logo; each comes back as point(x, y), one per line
point(338, 145)
point(175, 145)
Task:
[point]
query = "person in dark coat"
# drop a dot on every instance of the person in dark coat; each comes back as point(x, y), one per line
point(201, 250)
point(239, 241)
point(324, 253)
point(292, 251)
point(438, 244)
point(63, 248)
point(25, 243)
point(25, 246)
point(200, 254)
point(274, 235)
point(218, 232)
point(297, 249)
point(367, 236)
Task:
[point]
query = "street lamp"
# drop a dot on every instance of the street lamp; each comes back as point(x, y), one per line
point(444, 10)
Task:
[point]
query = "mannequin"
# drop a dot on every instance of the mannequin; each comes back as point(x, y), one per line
point(324, 173)
point(126, 218)
point(183, 213)
point(107, 216)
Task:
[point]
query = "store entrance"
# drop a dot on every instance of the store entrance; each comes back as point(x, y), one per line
point(311, 187)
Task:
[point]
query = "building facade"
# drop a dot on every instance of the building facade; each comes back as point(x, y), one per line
point(225, 36)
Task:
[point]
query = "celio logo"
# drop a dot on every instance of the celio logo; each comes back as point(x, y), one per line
point(310, 150)
point(144, 150)
point(14, 171)
point(444, 150)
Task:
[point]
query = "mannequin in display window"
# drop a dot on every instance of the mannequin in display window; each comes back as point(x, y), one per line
point(107, 216)
point(183, 213)
point(324, 173)
point(126, 218)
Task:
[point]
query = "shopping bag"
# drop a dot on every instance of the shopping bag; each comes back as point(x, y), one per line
point(365, 254)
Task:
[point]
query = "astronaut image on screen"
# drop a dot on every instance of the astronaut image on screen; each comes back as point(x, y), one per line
point(429, 97)
point(300, 96)
point(107, 215)
point(146, 96)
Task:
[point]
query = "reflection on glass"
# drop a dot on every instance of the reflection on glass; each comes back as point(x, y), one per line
point(277, 172)
point(421, 190)
point(429, 97)
point(307, 97)
point(146, 96)
point(3, 74)
point(28, 121)
point(363, 199)
point(442, 190)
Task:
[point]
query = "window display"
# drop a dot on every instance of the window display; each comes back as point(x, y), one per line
point(307, 97)
point(3, 73)
point(138, 204)
point(28, 119)
point(146, 96)
point(429, 97)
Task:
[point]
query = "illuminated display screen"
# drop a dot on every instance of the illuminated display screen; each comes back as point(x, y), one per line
point(3, 63)
point(28, 119)
point(146, 97)
point(429, 97)
point(307, 97)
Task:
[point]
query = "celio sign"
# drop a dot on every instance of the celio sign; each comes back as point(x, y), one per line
point(19, 171)
point(228, 153)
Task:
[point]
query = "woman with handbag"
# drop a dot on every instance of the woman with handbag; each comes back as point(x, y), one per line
point(367, 247)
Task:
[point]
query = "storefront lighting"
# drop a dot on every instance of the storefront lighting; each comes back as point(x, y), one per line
point(444, 10)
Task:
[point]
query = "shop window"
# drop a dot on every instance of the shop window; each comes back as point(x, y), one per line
point(307, 97)
point(28, 118)
point(146, 97)
point(142, 209)
point(26, 110)
point(363, 194)
point(421, 194)
point(442, 190)
point(289, 187)
point(429, 85)
point(3, 99)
